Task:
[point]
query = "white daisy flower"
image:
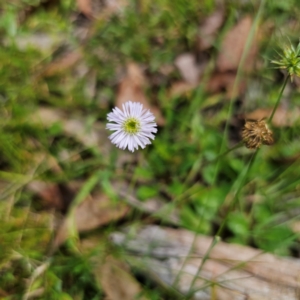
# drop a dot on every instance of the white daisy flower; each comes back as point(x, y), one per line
point(133, 126)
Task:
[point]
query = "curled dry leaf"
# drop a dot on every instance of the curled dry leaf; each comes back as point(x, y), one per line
point(91, 213)
point(117, 282)
point(132, 87)
point(234, 45)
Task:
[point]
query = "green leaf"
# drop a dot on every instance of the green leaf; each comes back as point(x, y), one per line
point(145, 192)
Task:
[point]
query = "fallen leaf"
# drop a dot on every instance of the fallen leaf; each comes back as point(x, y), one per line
point(62, 64)
point(85, 6)
point(95, 136)
point(282, 117)
point(233, 47)
point(117, 282)
point(74, 127)
point(53, 195)
point(93, 212)
point(217, 83)
point(115, 6)
point(132, 87)
point(49, 193)
point(96, 9)
point(41, 41)
point(225, 82)
point(166, 70)
point(295, 226)
point(209, 29)
point(220, 81)
point(188, 67)
point(179, 88)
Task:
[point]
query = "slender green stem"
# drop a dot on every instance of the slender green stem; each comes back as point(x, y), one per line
point(241, 185)
point(225, 135)
point(215, 240)
point(278, 99)
point(239, 145)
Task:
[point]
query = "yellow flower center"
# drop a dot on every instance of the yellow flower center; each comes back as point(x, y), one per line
point(132, 126)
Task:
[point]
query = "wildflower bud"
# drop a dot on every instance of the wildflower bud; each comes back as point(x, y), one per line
point(256, 133)
point(290, 60)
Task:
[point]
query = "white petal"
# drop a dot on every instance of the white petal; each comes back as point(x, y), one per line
point(112, 126)
point(139, 142)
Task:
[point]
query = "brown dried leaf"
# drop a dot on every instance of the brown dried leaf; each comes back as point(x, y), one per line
point(282, 117)
point(181, 88)
point(115, 6)
point(91, 213)
point(166, 70)
point(218, 83)
point(295, 226)
point(41, 41)
point(60, 65)
point(209, 29)
point(101, 9)
point(74, 127)
point(53, 195)
point(85, 6)
point(132, 87)
point(225, 81)
point(95, 136)
point(233, 47)
point(188, 67)
point(49, 193)
point(117, 282)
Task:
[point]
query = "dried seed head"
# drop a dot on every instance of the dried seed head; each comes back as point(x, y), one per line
point(257, 133)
